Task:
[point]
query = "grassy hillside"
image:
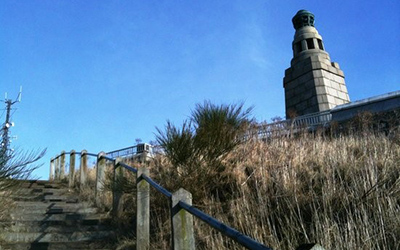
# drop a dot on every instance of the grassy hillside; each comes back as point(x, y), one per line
point(342, 192)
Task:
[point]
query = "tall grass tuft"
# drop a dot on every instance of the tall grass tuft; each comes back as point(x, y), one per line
point(200, 148)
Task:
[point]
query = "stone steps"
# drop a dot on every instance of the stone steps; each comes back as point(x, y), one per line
point(76, 217)
point(55, 237)
point(55, 246)
point(46, 197)
point(55, 209)
point(41, 184)
point(44, 204)
point(52, 227)
point(50, 216)
point(26, 193)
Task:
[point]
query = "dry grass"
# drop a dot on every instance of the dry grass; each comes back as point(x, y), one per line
point(6, 203)
point(86, 191)
point(343, 193)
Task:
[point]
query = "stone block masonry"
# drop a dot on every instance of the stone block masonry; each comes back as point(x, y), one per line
point(313, 83)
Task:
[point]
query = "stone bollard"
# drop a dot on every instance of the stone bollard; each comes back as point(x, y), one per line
point(57, 169)
point(71, 179)
point(83, 169)
point(182, 221)
point(51, 175)
point(100, 177)
point(62, 165)
point(144, 156)
point(118, 176)
point(143, 210)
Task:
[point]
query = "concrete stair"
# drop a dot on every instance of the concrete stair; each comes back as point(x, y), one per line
point(50, 216)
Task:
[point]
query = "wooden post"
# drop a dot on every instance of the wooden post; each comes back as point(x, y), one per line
point(182, 222)
point(143, 210)
point(83, 169)
point(62, 165)
point(51, 175)
point(57, 169)
point(71, 179)
point(118, 176)
point(100, 177)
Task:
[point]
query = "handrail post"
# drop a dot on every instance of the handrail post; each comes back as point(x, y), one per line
point(143, 210)
point(57, 169)
point(100, 177)
point(118, 176)
point(51, 175)
point(145, 154)
point(71, 179)
point(62, 166)
point(83, 169)
point(182, 222)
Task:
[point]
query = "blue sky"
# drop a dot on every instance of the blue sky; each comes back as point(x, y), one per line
point(96, 75)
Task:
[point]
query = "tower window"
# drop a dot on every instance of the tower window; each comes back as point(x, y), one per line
point(298, 47)
point(320, 44)
point(310, 43)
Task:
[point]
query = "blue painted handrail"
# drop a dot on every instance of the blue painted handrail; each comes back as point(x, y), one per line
point(230, 232)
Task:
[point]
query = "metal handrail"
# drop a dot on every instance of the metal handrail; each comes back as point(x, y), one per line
point(89, 154)
point(107, 158)
point(127, 167)
point(313, 119)
point(300, 122)
point(157, 186)
point(117, 152)
point(230, 232)
point(129, 150)
point(67, 153)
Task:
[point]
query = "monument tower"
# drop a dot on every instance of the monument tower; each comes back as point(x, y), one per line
point(313, 83)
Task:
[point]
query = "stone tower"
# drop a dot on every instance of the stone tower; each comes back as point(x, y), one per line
point(313, 83)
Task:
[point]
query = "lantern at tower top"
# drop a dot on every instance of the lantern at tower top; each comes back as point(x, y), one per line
point(303, 18)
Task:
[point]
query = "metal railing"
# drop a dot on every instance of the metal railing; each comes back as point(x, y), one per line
point(286, 127)
point(130, 151)
point(315, 119)
point(182, 211)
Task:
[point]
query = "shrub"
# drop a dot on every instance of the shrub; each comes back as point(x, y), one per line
point(200, 148)
point(218, 129)
point(14, 167)
point(178, 143)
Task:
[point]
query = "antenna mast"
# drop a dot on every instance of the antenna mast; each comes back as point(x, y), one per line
point(6, 138)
